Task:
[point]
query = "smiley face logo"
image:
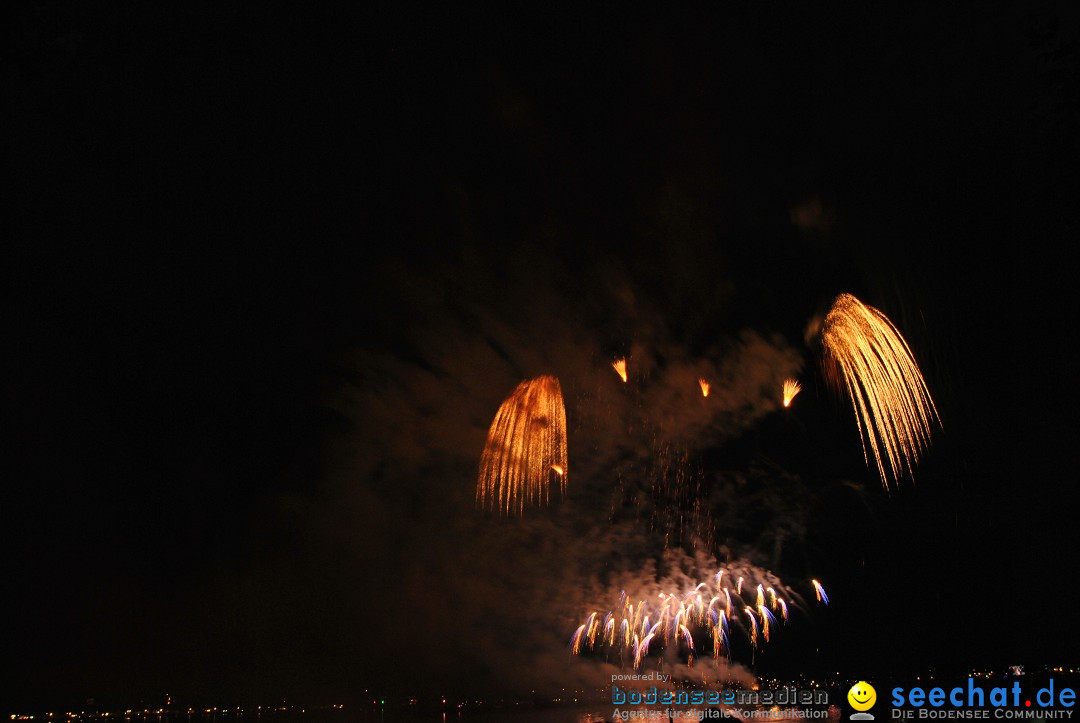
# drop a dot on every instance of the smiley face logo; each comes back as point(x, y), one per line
point(862, 696)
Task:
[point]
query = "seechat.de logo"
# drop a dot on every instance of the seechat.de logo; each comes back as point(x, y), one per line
point(1053, 700)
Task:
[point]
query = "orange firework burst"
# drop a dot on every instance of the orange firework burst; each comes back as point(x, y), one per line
point(791, 388)
point(865, 354)
point(525, 447)
point(705, 386)
point(619, 365)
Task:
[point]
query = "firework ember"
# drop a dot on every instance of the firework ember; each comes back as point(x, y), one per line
point(791, 388)
point(820, 592)
point(619, 365)
point(705, 386)
point(865, 354)
point(526, 446)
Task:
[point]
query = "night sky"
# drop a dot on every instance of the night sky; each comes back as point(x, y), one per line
point(270, 273)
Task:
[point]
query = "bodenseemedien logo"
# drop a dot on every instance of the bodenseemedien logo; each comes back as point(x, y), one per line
point(862, 697)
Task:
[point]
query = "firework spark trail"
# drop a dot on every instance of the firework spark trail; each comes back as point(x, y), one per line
point(575, 640)
point(526, 445)
point(705, 387)
point(674, 619)
point(766, 617)
point(865, 354)
point(619, 365)
point(791, 388)
point(753, 627)
point(820, 591)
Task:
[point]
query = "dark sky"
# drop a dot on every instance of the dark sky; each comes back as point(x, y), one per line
point(270, 273)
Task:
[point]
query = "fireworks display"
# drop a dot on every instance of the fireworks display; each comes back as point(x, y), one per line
point(864, 353)
point(791, 388)
point(525, 448)
point(666, 623)
point(324, 391)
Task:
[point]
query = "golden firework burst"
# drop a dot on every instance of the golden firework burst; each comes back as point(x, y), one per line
point(526, 447)
point(865, 355)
